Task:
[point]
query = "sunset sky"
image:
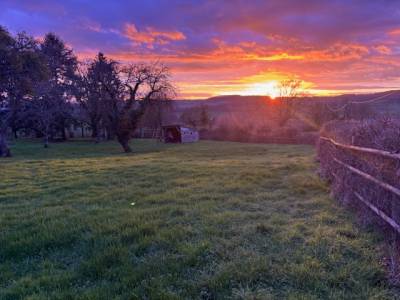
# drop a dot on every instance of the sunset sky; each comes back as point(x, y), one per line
point(232, 47)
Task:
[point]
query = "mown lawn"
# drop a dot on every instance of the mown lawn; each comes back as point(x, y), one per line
point(212, 220)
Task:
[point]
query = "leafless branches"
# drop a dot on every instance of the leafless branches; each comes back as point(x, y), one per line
point(150, 81)
point(289, 90)
point(117, 97)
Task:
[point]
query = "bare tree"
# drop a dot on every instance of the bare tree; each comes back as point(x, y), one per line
point(146, 87)
point(119, 97)
point(289, 90)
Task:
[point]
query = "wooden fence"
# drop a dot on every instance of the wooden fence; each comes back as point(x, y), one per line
point(353, 170)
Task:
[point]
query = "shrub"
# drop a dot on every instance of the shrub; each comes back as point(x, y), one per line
point(382, 133)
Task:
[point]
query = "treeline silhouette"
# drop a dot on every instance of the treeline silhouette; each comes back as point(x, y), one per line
point(45, 90)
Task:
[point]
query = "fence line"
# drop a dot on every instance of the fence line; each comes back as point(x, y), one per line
point(362, 149)
point(369, 177)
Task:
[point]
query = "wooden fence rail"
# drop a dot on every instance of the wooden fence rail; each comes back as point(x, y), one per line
point(380, 213)
point(362, 149)
point(384, 185)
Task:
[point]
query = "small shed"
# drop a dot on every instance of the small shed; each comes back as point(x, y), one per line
point(179, 134)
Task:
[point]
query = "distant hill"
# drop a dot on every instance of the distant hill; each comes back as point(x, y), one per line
point(389, 102)
point(222, 104)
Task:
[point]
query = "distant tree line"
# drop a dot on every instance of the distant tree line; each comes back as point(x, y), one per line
point(44, 90)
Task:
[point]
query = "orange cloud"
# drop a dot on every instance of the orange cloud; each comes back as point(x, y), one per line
point(395, 31)
point(275, 57)
point(338, 52)
point(151, 36)
point(382, 49)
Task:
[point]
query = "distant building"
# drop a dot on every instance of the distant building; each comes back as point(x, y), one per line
point(179, 134)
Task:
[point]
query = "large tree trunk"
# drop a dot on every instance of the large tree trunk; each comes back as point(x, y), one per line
point(127, 124)
point(96, 133)
point(4, 149)
point(123, 139)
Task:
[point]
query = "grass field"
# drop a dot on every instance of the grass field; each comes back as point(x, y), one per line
point(212, 220)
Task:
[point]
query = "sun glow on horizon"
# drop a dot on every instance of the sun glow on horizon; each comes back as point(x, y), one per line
point(262, 87)
point(269, 88)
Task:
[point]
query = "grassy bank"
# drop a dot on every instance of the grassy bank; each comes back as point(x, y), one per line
point(212, 220)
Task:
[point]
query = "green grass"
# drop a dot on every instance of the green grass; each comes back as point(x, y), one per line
point(212, 220)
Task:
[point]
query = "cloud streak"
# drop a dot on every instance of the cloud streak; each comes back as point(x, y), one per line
point(151, 36)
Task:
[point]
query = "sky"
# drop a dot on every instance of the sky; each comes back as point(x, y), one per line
point(216, 47)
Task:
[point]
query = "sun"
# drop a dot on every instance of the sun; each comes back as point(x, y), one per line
point(268, 88)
